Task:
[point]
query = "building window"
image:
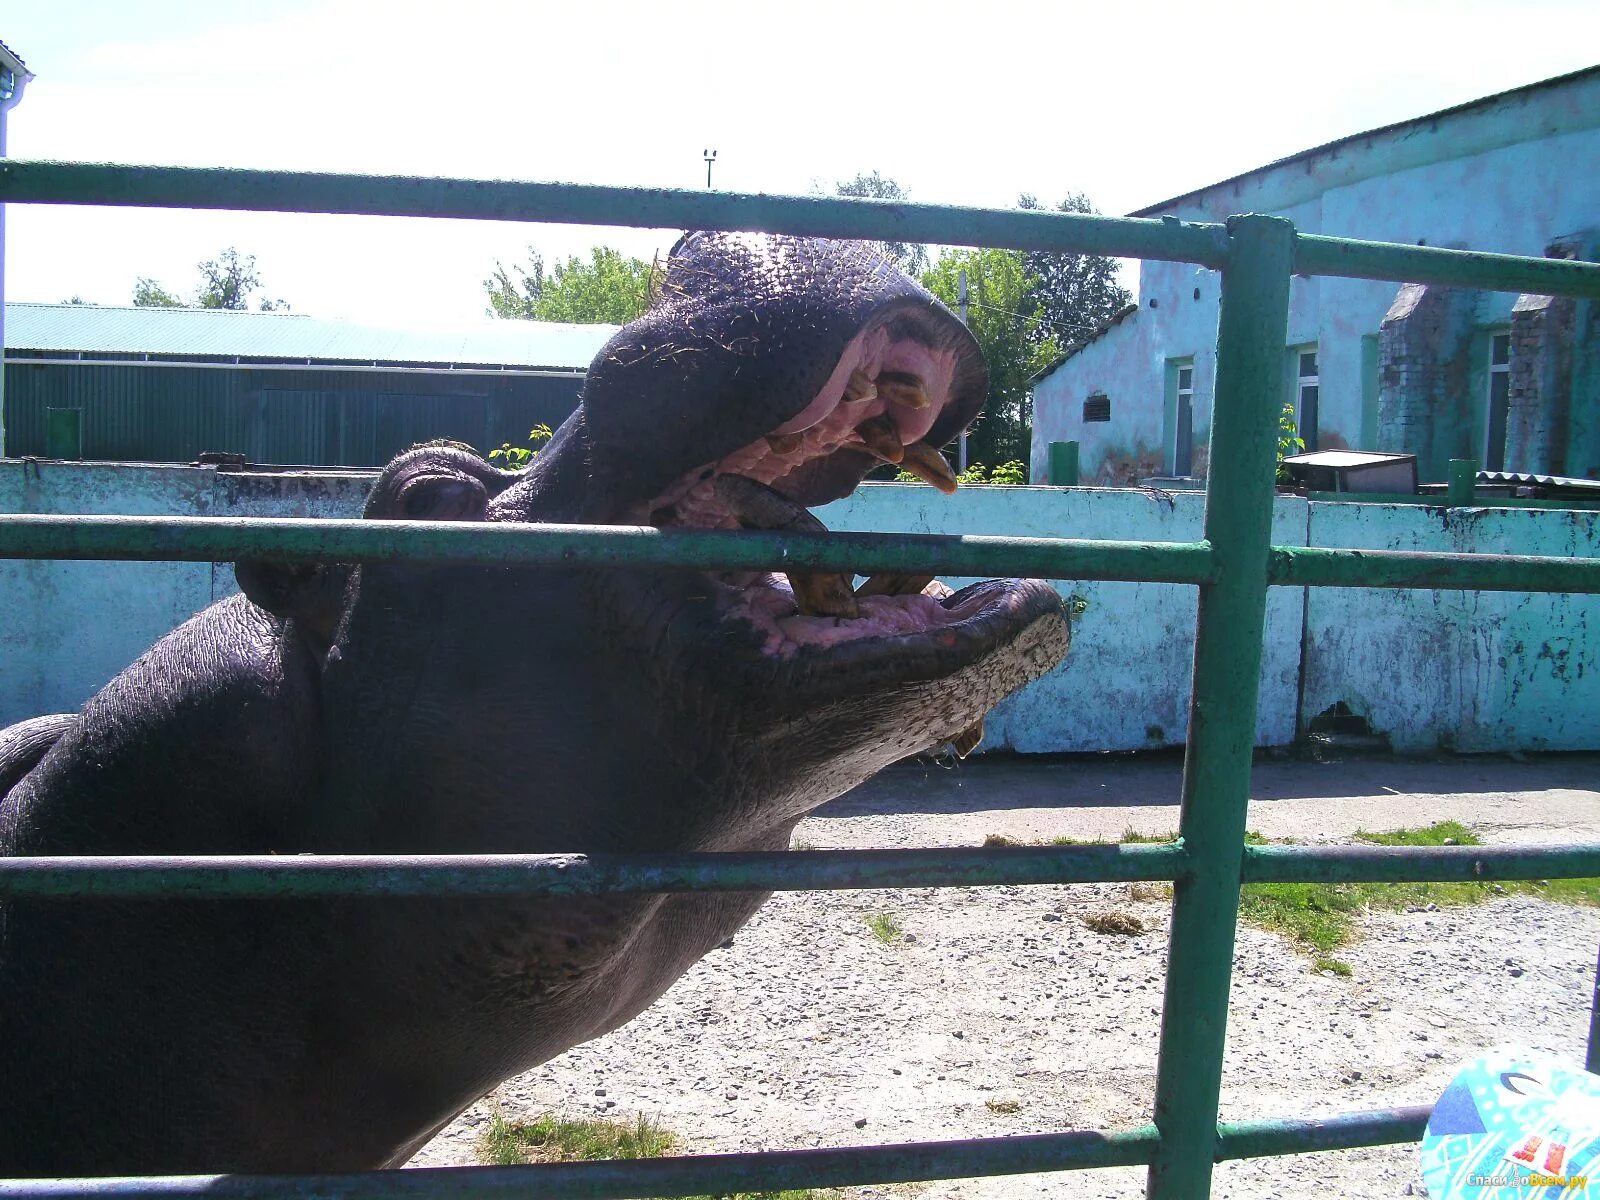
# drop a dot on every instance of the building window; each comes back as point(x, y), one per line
point(1499, 402)
point(1180, 417)
point(1097, 407)
point(1307, 385)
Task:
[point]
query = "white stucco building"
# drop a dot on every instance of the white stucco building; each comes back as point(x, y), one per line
point(1446, 373)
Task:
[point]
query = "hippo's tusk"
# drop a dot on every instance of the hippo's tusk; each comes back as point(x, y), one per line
point(859, 388)
point(928, 465)
point(756, 506)
point(881, 438)
point(898, 387)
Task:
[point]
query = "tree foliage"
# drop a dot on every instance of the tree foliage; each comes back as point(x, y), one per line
point(910, 257)
point(611, 288)
point(1073, 294)
point(147, 293)
point(999, 295)
point(226, 281)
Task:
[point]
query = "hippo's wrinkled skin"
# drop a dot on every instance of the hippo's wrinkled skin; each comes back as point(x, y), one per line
point(398, 708)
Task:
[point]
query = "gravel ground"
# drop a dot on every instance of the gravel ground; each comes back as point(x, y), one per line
point(1000, 1012)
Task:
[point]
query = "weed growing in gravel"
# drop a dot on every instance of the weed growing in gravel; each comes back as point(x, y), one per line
point(1321, 917)
point(1337, 966)
point(549, 1139)
point(1003, 1106)
point(885, 927)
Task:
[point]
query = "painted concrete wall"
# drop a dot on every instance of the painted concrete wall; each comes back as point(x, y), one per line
point(1125, 684)
point(1507, 183)
point(1429, 669)
point(1469, 671)
point(68, 627)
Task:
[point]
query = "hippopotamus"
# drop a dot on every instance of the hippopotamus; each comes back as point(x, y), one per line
point(405, 708)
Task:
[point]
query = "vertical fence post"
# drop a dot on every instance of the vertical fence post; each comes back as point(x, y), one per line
point(1463, 484)
point(1222, 715)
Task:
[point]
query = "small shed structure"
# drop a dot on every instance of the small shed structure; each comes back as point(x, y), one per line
point(168, 384)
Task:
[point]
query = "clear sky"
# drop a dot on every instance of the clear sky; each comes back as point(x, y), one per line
point(966, 103)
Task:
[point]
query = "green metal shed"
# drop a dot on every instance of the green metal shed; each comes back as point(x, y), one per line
point(168, 384)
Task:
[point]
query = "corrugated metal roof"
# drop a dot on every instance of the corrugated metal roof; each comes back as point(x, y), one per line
point(1353, 139)
point(13, 56)
point(89, 330)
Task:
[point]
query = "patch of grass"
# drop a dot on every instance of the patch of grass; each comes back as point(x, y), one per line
point(1320, 917)
point(1003, 1106)
point(885, 927)
point(550, 1139)
point(1129, 834)
point(1337, 966)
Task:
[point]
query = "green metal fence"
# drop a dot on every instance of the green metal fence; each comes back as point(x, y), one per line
point(1233, 567)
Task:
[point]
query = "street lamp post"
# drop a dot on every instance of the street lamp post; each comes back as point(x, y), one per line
point(710, 157)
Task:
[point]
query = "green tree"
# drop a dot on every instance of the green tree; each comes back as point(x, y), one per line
point(147, 293)
point(226, 281)
point(1073, 294)
point(610, 288)
point(999, 296)
point(911, 257)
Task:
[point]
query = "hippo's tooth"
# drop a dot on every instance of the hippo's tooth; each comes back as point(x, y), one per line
point(859, 387)
point(965, 742)
point(756, 506)
point(894, 585)
point(901, 388)
point(823, 595)
point(784, 443)
point(881, 438)
point(928, 465)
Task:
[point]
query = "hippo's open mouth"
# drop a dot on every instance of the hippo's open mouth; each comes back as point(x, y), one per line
point(880, 401)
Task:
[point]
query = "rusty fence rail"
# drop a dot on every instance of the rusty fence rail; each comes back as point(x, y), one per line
point(1233, 567)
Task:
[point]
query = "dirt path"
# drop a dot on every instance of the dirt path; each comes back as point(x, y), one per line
point(1000, 1012)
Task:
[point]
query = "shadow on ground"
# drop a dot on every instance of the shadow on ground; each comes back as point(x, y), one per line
point(997, 782)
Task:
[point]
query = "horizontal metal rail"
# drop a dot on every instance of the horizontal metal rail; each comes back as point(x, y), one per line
point(25, 181)
point(1315, 254)
point(262, 877)
point(292, 539)
point(1404, 864)
point(1320, 566)
point(1344, 1131)
point(278, 877)
point(773, 1170)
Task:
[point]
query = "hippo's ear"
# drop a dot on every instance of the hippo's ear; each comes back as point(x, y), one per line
point(311, 594)
point(439, 482)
